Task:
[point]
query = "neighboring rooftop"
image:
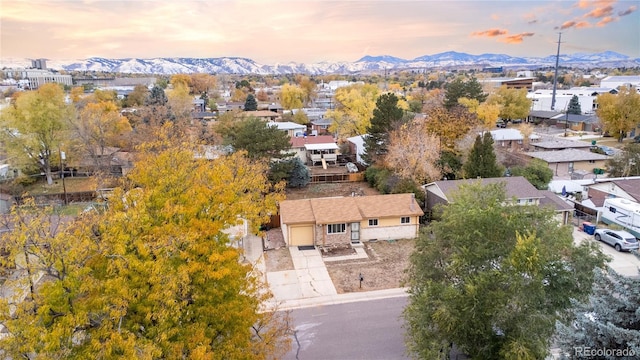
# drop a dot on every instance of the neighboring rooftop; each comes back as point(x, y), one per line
point(566, 155)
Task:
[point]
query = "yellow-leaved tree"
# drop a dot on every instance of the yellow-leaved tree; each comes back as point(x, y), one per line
point(162, 279)
point(292, 96)
point(413, 153)
point(354, 109)
point(619, 113)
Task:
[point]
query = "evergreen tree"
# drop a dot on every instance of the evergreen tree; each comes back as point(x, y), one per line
point(299, 175)
point(608, 320)
point(482, 159)
point(458, 88)
point(157, 96)
point(574, 106)
point(250, 104)
point(385, 116)
point(260, 140)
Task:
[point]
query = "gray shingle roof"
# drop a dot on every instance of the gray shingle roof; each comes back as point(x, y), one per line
point(567, 155)
point(516, 186)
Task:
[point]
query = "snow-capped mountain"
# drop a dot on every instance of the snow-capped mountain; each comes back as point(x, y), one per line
point(238, 65)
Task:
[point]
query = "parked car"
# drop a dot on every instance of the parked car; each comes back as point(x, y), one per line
point(619, 239)
point(501, 124)
point(636, 139)
point(607, 150)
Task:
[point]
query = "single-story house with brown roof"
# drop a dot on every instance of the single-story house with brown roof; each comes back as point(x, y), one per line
point(349, 220)
point(518, 191)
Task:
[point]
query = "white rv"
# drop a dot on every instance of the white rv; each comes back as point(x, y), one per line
point(623, 212)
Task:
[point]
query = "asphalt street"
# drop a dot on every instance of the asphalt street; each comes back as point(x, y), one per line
point(357, 330)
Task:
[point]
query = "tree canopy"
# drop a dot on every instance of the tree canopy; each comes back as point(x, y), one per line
point(458, 88)
point(608, 320)
point(574, 106)
point(619, 113)
point(292, 96)
point(33, 127)
point(250, 104)
point(413, 153)
point(353, 111)
point(386, 116)
point(450, 126)
point(626, 162)
point(536, 172)
point(155, 275)
point(482, 159)
point(257, 138)
point(492, 278)
point(513, 103)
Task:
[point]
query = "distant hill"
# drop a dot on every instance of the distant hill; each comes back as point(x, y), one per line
point(238, 65)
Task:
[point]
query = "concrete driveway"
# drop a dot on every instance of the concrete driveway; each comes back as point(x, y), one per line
point(623, 263)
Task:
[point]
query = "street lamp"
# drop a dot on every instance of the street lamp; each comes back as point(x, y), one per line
point(64, 187)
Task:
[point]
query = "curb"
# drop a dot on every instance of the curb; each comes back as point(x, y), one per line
point(338, 299)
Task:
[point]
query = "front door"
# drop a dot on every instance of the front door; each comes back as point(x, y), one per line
point(355, 232)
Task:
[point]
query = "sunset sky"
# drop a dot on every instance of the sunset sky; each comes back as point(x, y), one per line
point(273, 31)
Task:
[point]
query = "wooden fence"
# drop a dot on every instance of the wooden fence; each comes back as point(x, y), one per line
point(336, 178)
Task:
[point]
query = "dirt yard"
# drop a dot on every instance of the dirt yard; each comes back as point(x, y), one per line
point(385, 268)
point(332, 189)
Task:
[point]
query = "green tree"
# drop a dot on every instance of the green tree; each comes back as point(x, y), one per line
point(626, 162)
point(137, 97)
point(157, 96)
point(258, 139)
point(536, 172)
point(619, 113)
point(482, 159)
point(32, 128)
point(293, 171)
point(156, 276)
point(513, 103)
point(574, 106)
point(608, 320)
point(459, 88)
point(386, 116)
point(250, 104)
point(492, 277)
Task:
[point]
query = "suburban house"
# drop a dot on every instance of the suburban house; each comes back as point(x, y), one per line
point(542, 117)
point(625, 188)
point(576, 122)
point(554, 144)
point(291, 128)
point(320, 126)
point(349, 220)
point(565, 162)
point(517, 188)
point(310, 148)
point(265, 115)
point(510, 137)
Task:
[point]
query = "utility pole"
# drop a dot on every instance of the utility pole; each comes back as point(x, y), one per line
point(555, 75)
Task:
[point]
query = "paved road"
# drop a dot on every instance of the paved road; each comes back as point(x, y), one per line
point(359, 330)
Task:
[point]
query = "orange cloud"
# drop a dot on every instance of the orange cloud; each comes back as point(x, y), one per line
point(628, 11)
point(600, 12)
point(583, 4)
point(605, 21)
point(567, 24)
point(516, 38)
point(582, 25)
point(490, 33)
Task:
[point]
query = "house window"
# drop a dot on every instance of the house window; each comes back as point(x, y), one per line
point(373, 222)
point(405, 220)
point(336, 228)
point(592, 161)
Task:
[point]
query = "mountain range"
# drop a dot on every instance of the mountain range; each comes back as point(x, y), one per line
point(242, 66)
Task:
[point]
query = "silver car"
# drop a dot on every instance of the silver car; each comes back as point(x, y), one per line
point(619, 239)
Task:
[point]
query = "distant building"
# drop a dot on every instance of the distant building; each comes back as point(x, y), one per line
point(31, 79)
point(615, 82)
point(39, 64)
